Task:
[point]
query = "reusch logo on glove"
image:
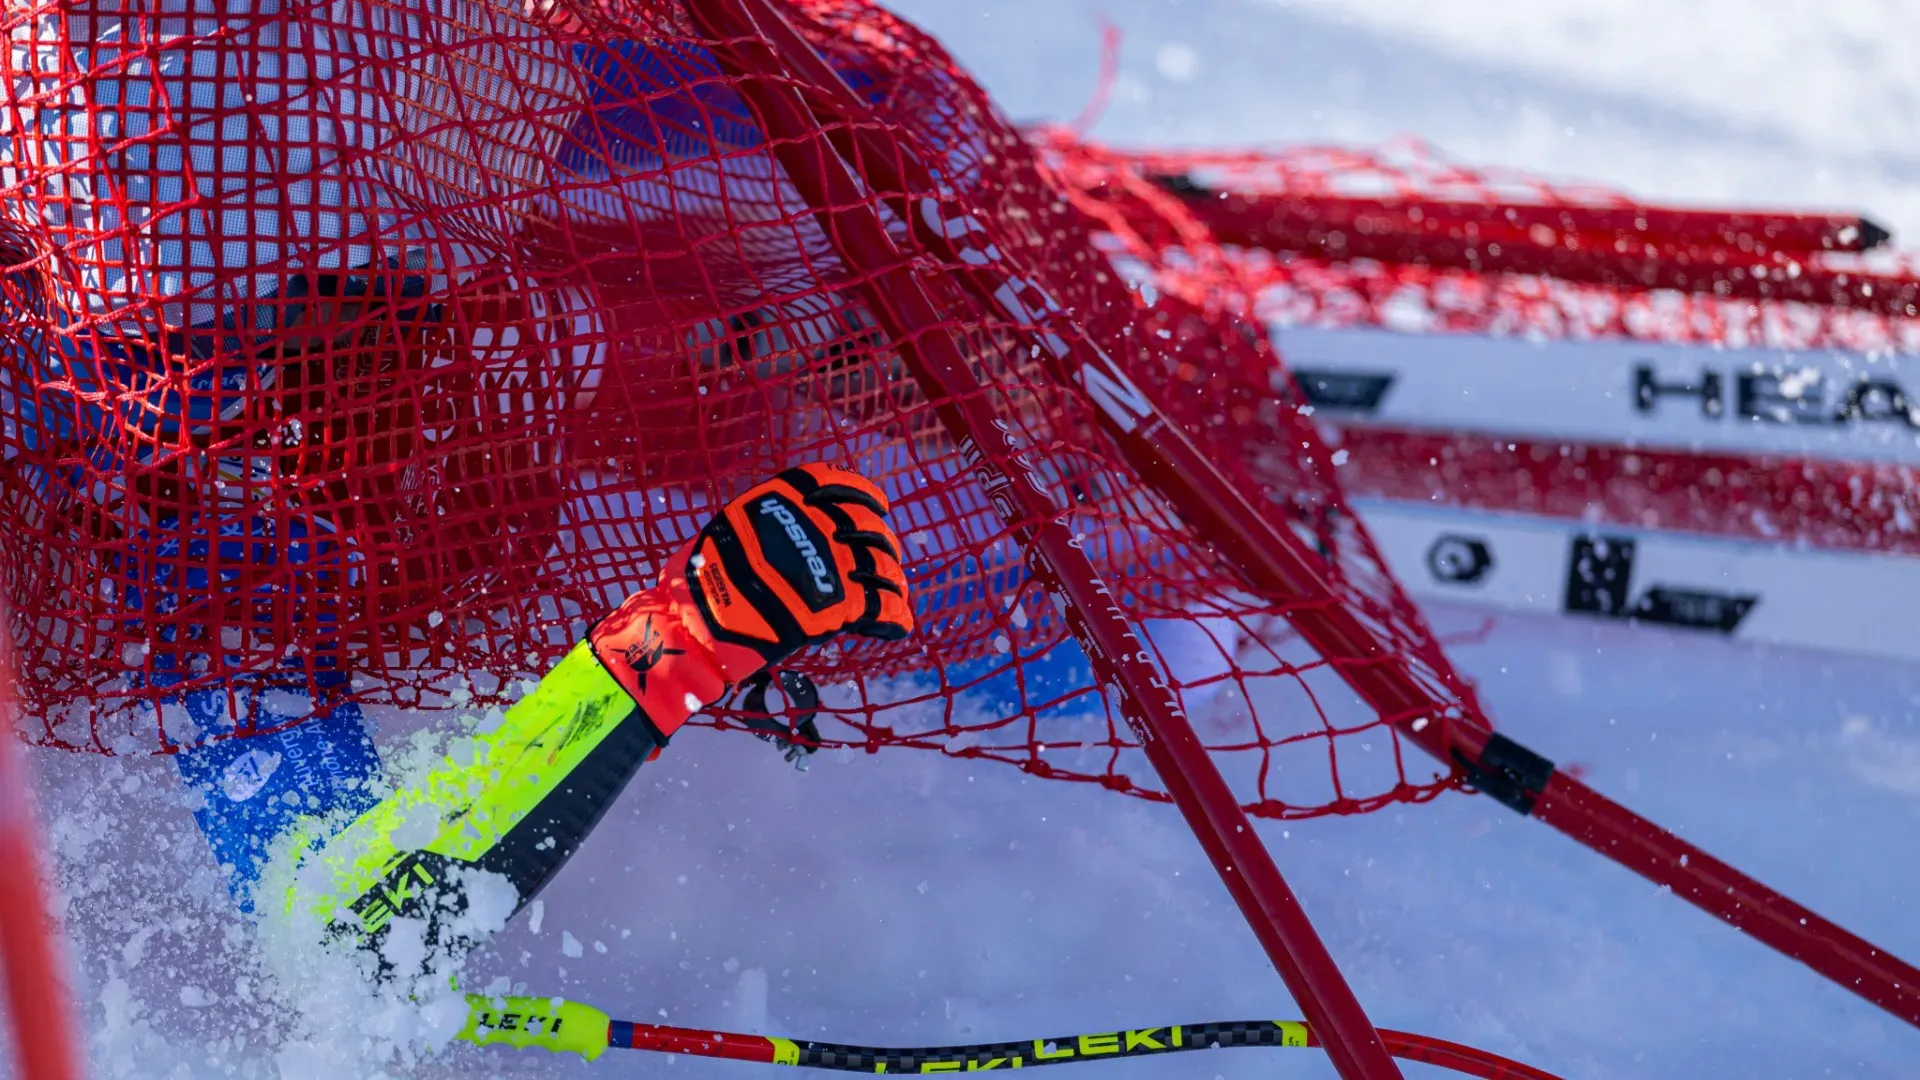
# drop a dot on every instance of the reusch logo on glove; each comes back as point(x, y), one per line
point(794, 547)
point(790, 562)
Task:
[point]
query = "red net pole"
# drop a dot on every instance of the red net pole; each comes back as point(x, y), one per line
point(1118, 656)
point(1679, 250)
point(1239, 217)
point(1272, 559)
point(1719, 889)
point(36, 996)
point(1171, 462)
point(1276, 560)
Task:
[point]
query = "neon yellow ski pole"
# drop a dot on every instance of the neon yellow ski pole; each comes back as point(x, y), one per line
point(570, 1026)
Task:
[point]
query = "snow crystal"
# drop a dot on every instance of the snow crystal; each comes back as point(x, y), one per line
point(417, 828)
point(1176, 62)
point(287, 704)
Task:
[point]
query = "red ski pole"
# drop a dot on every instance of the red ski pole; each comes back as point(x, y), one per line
point(36, 995)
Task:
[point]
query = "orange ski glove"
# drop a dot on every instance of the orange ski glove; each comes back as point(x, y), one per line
point(794, 561)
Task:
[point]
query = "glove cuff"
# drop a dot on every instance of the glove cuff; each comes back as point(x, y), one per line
point(658, 647)
point(651, 653)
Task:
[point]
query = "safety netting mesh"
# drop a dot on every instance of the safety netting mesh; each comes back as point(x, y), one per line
point(1402, 237)
point(373, 348)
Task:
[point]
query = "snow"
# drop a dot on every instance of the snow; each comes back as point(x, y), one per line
point(904, 898)
point(1764, 102)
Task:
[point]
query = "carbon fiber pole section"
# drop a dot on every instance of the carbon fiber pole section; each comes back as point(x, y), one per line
point(1118, 656)
point(1086, 1048)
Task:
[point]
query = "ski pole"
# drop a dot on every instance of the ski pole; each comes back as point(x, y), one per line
point(32, 989)
point(564, 1026)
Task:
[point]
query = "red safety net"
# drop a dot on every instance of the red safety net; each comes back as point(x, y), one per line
point(1401, 238)
point(401, 338)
